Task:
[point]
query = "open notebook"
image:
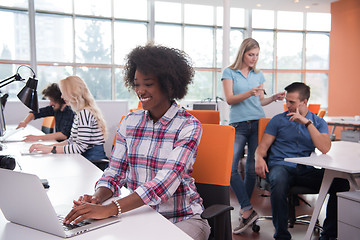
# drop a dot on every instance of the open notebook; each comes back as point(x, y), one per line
point(14, 184)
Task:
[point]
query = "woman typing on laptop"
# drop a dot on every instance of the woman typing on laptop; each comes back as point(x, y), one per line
point(155, 147)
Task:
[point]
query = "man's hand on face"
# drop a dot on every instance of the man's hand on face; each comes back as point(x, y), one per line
point(297, 117)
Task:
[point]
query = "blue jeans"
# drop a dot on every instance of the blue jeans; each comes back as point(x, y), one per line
point(245, 132)
point(97, 152)
point(281, 178)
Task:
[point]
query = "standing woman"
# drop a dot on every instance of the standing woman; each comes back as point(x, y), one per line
point(88, 131)
point(244, 92)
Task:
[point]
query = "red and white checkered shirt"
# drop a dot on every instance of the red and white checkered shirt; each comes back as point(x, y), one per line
point(155, 160)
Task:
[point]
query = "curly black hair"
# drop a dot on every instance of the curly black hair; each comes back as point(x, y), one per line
point(172, 67)
point(53, 91)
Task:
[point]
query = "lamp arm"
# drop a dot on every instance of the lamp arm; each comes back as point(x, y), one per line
point(16, 77)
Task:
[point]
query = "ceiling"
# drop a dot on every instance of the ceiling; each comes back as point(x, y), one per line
point(322, 6)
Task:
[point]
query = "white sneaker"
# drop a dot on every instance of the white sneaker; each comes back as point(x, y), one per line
point(246, 222)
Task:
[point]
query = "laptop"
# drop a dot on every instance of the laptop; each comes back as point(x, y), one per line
point(9, 133)
point(35, 210)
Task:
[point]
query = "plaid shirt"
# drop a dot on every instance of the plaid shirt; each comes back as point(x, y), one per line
point(155, 160)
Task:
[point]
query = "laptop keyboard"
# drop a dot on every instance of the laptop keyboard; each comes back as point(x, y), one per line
point(68, 227)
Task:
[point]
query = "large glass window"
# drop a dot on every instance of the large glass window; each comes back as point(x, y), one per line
point(263, 19)
point(14, 42)
point(128, 35)
point(167, 12)
point(290, 20)
point(199, 14)
point(91, 38)
point(266, 42)
point(98, 81)
point(199, 44)
point(93, 7)
point(289, 50)
point(168, 35)
point(317, 51)
point(134, 9)
point(64, 6)
point(54, 44)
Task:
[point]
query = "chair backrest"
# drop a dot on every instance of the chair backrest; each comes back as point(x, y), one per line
point(214, 156)
point(262, 125)
point(206, 116)
point(114, 141)
point(48, 125)
point(321, 113)
point(138, 107)
point(314, 108)
point(212, 171)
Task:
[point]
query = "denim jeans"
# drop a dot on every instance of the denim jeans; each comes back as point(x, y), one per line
point(281, 178)
point(245, 132)
point(97, 152)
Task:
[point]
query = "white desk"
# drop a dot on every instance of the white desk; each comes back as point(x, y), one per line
point(69, 176)
point(342, 161)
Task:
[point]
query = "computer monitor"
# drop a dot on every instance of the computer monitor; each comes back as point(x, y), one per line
point(3, 99)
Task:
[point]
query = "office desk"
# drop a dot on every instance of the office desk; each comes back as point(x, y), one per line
point(341, 122)
point(69, 176)
point(342, 161)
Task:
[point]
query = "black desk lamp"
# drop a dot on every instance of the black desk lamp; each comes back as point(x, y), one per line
point(27, 95)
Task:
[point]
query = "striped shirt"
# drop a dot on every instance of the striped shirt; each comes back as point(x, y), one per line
point(156, 160)
point(85, 133)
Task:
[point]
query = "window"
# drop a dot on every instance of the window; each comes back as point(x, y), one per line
point(92, 38)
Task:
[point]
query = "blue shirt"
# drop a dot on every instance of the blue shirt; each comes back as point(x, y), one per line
point(250, 108)
point(292, 139)
point(63, 119)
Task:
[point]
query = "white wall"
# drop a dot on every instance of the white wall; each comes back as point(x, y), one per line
point(16, 111)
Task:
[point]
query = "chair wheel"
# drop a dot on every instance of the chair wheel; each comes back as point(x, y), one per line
point(255, 227)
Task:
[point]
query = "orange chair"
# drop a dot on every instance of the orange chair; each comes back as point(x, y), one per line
point(285, 107)
point(114, 141)
point(321, 113)
point(206, 116)
point(212, 171)
point(48, 125)
point(314, 108)
point(262, 125)
point(138, 107)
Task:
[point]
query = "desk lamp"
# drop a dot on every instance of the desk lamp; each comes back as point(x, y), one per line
point(27, 95)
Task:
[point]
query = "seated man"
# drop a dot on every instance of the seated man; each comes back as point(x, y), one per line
point(295, 133)
point(63, 114)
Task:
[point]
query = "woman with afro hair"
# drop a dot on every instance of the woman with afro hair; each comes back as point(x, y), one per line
point(155, 147)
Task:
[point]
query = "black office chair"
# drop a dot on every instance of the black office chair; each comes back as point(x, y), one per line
point(294, 192)
point(212, 171)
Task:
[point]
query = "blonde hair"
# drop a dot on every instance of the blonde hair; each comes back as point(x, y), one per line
point(79, 98)
point(246, 45)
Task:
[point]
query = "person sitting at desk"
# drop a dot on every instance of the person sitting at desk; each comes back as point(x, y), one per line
point(155, 147)
point(295, 133)
point(63, 114)
point(89, 129)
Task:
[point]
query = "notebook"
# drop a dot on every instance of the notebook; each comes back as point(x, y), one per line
point(35, 210)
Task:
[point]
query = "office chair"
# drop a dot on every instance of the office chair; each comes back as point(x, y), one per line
point(294, 191)
point(48, 125)
point(206, 116)
point(114, 141)
point(321, 113)
point(212, 171)
point(314, 108)
point(138, 107)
